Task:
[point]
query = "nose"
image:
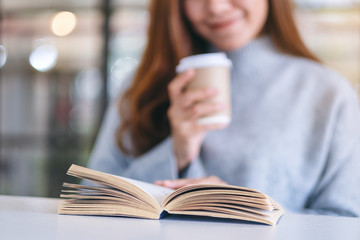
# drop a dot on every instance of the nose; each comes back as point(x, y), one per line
point(218, 7)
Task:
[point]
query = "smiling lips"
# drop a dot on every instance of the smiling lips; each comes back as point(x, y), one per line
point(218, 26)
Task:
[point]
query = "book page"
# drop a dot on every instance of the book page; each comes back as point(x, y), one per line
point(158, 193)
point(143, 190)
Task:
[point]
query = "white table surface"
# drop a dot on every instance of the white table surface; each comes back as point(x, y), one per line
point(37, 218)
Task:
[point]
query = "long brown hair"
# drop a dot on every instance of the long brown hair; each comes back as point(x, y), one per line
point(143, 107)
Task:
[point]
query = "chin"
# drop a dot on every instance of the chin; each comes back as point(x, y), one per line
point(232, 44)
point(229, 46)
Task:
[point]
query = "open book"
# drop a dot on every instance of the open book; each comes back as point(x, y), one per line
point(112, 195)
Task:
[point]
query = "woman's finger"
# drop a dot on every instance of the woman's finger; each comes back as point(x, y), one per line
point(204, 109)
point(175, 184)
point(193, 96)
point(178, 183)
point(209, 127)
point(177, 85)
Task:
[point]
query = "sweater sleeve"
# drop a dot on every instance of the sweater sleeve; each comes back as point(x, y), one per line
point(194, 170)
point(157, 164)
point(338, 190)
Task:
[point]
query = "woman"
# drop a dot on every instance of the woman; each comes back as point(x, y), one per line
point(294, 133)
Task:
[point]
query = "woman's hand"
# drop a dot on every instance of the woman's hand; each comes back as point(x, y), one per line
point(175, 184)
point(185, 108)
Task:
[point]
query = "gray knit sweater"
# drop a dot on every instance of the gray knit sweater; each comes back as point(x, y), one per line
point(294, 135)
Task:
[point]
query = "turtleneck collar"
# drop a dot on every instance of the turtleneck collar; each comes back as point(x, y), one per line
point(254, 58)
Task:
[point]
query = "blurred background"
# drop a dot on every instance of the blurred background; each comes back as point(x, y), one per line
point(62, 61)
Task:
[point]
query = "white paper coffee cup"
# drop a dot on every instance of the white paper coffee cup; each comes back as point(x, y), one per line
point(211, 70)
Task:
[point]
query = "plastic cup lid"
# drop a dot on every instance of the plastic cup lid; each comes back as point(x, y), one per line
point(203, 60)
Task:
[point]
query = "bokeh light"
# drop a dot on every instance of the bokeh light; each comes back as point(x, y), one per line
point(63, 23)
point(3, 55)
point(88, 84)
point(84, 95)
point(120, 71)
point(44, 57)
